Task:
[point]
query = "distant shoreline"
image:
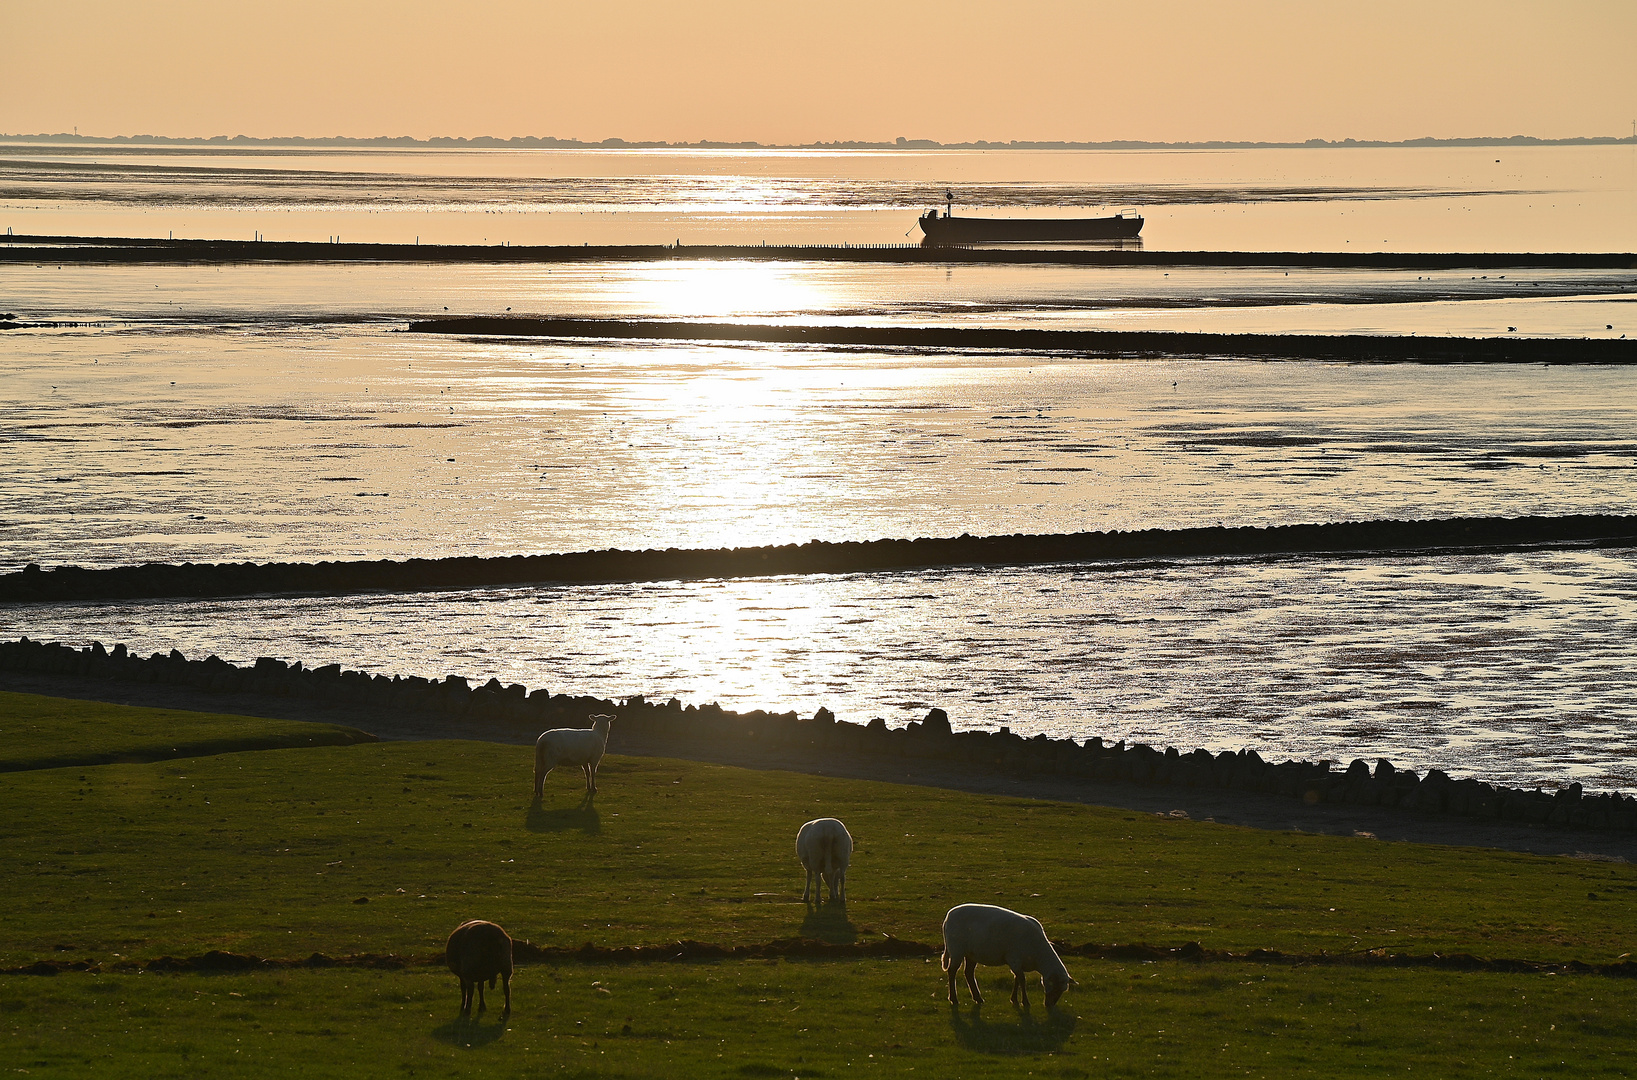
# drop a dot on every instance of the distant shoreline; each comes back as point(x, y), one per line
point(547, 142)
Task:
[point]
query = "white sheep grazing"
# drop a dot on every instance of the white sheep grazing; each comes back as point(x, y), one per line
point(825, 848)
point(571, 746)
point(479, 952)
point(985, 934)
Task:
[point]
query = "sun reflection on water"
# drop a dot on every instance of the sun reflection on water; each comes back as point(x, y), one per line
point(744, 643)
point(724, 290)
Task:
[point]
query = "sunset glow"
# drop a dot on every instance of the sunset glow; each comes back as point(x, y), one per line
point(795, 73)
point(1147, 481)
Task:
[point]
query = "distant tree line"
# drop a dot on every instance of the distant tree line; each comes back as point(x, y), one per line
point(901, 143)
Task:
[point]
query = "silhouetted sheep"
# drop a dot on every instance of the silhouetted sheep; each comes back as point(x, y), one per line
point(825, 848)
point(480, 952)
point(571, 746)
point(986, 934)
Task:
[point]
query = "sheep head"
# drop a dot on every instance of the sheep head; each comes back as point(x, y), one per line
point(1056, 987)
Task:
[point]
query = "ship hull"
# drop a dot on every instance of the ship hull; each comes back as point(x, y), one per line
point(967, 230)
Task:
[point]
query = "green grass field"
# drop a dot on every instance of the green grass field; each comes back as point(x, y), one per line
point(45, 732)
point(385, 847)
point(819, 1019)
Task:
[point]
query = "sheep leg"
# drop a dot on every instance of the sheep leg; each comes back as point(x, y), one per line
point(506, 981)
point(482, 1006)
point(1019, 987)
point(953, 970)
point(807, 888)
point(465, 997)
point(541, 771)
point(972, 982)
point(591, 776)
point(840, 885)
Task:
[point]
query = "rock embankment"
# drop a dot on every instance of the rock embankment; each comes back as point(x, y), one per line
point(454, 701)
point(34, 584)
point(127, 249)
point(1356, 348)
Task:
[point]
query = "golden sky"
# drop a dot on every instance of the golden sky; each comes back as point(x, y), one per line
point(843, 69)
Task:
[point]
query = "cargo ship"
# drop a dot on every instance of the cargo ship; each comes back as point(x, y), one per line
point(949, 229)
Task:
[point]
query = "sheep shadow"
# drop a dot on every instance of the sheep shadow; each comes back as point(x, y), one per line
point(583, 817)
point(470, 1031)
point(1019, 1033)
point(829, 922)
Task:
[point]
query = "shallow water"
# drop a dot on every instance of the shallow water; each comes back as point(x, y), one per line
point(1562, 198)
point(1528, 302)
point(303, 442)
point(268, 412)
point(1514, 667)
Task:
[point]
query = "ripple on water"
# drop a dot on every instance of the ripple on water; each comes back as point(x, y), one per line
point(1515, 667)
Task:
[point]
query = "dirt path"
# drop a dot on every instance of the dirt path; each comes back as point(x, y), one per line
point(1228, 807)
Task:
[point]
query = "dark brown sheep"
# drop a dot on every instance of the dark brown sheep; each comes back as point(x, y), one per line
point(480, 952)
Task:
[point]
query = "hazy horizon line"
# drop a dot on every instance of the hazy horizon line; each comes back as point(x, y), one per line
point(900, 143)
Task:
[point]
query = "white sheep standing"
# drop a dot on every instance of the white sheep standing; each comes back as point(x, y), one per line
point(986, 934)
point(480, 952)
point(825, 848)
point(572, 746)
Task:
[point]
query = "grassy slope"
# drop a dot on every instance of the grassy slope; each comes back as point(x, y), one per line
point(268, 851)
point(46, 732)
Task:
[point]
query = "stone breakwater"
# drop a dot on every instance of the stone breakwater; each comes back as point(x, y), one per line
point(34, 584)
point(126, 249)
point(1354, 348)
point(822, 737)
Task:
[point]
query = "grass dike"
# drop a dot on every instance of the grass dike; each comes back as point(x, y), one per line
point(380, 848)
point(48, 732)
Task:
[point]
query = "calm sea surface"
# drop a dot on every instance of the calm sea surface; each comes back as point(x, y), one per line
point(282, 412)
point(1578, 198)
